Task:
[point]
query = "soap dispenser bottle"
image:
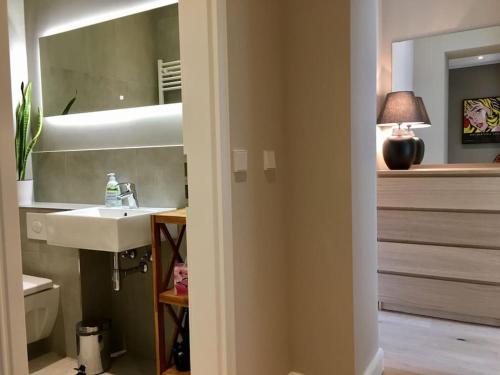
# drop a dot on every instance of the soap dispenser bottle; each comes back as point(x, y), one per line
point(112, 191)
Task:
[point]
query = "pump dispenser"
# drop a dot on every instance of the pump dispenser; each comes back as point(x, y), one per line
point(112, 191)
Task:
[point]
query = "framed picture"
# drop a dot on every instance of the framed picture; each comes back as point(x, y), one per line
point(481, 121)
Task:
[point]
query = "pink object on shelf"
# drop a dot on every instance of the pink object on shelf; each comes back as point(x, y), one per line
point(181, 279)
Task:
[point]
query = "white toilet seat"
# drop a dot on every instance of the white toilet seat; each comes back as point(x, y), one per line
point(33, 284)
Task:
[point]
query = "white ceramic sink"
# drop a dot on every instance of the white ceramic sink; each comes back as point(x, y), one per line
point(101, 228)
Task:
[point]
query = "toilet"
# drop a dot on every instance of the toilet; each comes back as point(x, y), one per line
point(41, 303)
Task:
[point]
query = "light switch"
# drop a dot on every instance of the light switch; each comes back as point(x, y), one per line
point(240, 161)
point(269, 160)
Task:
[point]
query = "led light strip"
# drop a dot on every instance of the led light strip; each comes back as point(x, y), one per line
point(98, 18)
point(115, 116)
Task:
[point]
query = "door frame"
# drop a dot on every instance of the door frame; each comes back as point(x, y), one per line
point(209, 241)
point(13, 353)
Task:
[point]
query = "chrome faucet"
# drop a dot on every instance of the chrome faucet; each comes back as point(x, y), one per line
point(128, 192)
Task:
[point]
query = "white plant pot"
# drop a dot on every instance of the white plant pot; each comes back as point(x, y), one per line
point(25, 192)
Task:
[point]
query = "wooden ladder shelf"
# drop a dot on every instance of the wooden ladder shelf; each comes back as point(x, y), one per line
point(165, 297)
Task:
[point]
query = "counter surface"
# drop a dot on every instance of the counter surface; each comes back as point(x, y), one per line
point(449, 170)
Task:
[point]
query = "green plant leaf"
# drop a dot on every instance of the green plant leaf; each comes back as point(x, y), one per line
point(25, 126)
point(20, 131)
point(70, 104)
point(24, 140)
point(18, 135)
point(33, 142)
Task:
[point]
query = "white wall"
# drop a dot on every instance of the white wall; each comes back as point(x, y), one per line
point(368, 356)
point(18, 57)
point(430, 77)
point(408, 19)
point(403, 53)
point(17, 40)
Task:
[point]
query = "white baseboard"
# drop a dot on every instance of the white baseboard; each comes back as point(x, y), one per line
point(376, 366)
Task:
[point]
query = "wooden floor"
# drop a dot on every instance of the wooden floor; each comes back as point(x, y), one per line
point(424, 346)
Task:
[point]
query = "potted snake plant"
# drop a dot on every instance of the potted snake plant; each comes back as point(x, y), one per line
point(25, 142)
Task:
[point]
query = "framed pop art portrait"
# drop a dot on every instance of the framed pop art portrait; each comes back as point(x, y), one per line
point(481, 120)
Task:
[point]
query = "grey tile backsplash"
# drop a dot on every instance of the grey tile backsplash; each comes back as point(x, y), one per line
point(80, 176)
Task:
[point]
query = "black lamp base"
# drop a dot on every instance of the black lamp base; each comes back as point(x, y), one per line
point(420, 150)
point(399, 152)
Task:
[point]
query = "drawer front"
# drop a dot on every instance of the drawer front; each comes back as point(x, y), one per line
point(466, 193)
point(480, 265)
point(482, 301)
point(464, 229)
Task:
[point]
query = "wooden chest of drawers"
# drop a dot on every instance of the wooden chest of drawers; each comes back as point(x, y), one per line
point(439, 242)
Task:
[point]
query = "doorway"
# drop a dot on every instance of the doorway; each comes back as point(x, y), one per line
point(206, 215)
point(433, 277)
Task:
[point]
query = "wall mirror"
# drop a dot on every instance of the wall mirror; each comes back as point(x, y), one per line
point(110, 84)
point(127, 62)
point(458, 76)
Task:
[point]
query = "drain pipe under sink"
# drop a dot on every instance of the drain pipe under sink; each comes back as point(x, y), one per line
point(116, 272)
point(142, 267)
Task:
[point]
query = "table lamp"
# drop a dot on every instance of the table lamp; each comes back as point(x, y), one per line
point(400, 109)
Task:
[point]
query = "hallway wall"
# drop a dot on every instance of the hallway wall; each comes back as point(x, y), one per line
point(304, 236)
point(255, 43)
point(319, 216)
point(330, 196)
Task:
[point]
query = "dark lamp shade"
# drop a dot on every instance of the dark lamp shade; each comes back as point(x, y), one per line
point(400, 107)
point(426, 122)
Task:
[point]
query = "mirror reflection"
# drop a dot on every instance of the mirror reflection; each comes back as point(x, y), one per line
point(127, 62)
point(458, 77)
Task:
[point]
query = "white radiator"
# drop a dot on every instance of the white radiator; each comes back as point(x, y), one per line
point(169, 77)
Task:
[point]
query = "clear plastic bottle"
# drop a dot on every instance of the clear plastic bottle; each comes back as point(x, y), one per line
point(112, 191)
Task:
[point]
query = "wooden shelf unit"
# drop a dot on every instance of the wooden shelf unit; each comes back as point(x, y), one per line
point(169, 297)
point(164, 296)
